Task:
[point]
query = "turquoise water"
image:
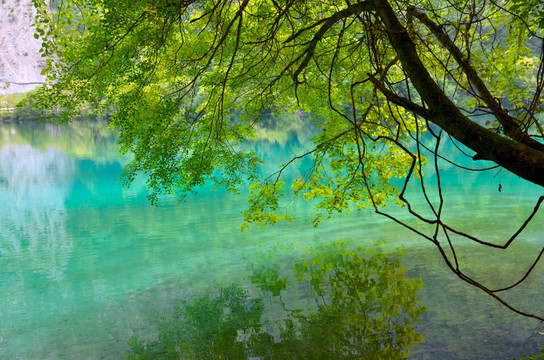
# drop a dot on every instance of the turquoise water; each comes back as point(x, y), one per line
point(85, 264)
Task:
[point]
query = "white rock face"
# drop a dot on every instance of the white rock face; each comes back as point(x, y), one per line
point(20, 61)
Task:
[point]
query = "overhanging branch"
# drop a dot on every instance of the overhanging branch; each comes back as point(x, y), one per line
point(519, 158)
point(510, 125)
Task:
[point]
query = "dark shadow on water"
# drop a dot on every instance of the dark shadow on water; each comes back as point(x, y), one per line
point(338, 303)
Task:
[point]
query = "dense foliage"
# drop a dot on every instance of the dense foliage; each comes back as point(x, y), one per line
point(189, 78)
point(190, 81)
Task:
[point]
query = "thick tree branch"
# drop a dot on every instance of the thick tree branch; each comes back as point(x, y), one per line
point(510, 126)
point(518, 158)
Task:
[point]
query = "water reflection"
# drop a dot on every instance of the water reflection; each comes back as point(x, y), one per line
point(129, 262)
point(338, 303)
point(33, 186)
point(91, 140)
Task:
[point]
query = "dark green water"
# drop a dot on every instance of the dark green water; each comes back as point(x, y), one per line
point(86, 264)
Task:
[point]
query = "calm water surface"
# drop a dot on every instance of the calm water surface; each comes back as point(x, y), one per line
point(85, 264)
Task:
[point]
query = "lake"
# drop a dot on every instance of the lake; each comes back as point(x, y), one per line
point(85, 264)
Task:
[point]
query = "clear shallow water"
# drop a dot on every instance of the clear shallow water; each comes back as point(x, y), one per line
point(85, 264)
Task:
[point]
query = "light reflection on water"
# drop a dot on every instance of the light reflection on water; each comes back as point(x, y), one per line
point(85, 264)
point(33, 216)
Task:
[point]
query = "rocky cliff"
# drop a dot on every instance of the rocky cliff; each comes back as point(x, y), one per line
point(20, 61)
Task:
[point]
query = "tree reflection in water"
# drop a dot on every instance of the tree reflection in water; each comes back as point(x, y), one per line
point(338, 303)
